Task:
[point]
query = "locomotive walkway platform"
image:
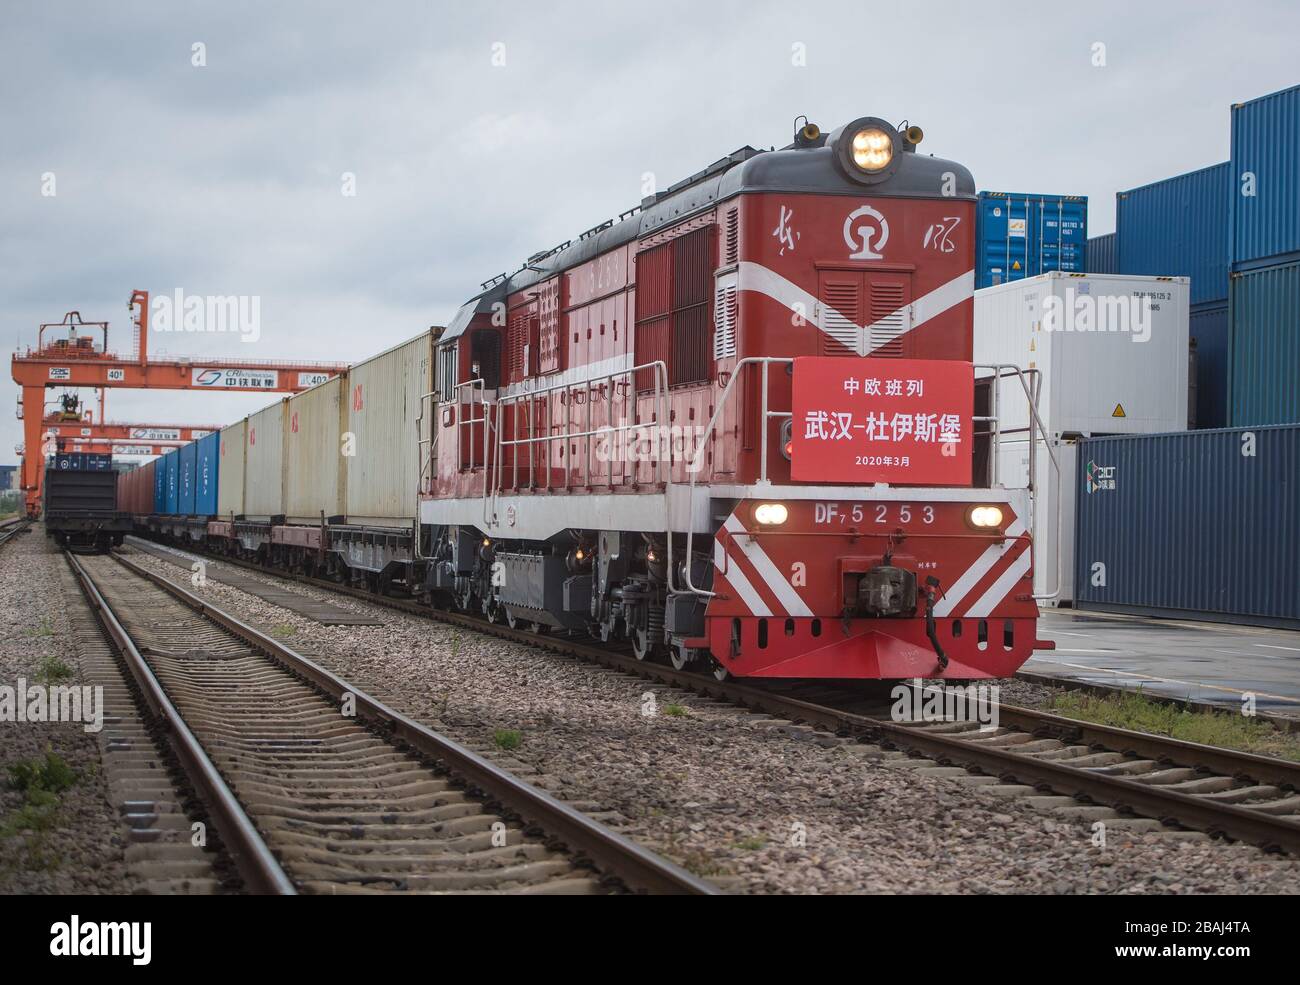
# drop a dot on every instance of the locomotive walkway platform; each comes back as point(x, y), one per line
point(322, 612)
point(1213, 663)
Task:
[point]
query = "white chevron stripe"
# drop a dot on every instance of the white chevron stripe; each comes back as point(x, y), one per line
point(768, 571)
point(959, 589)
point(998, 590)
point(739, 582)
point(755, 277)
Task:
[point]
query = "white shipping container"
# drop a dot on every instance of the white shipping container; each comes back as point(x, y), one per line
point(230, 472)
point(1112, 351)
point(264, 462)
point(383, 410)
point(315, 476)
point(1054, 509)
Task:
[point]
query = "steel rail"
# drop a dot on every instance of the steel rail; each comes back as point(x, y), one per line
point(255, 862)
point(1214, 817)
point(638, 867)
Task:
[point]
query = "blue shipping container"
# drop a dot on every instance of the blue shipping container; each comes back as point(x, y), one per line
point(1266, 179)
point(1103, 254)
point(1178, 227)
point(1022, 235)
point(188, 462)
point(205, 479)
point(171, 495)
point(1265, 362)
point(1208, 327)
point(159, 486)
point(1201, 525)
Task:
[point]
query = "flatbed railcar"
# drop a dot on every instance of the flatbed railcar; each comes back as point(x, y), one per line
point(610, 441)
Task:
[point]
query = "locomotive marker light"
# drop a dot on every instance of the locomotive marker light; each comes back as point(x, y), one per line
point(984, 517)
point(771, 514)
point(868, 150)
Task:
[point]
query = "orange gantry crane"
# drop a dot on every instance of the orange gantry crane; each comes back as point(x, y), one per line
point(74, 357)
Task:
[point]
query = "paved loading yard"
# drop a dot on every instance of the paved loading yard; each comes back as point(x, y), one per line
point(1204, 661)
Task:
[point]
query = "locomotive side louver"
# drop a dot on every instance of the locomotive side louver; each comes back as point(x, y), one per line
point(888, 318)
point(724, 316)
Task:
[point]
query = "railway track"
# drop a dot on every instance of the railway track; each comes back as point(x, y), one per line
point(9, 529)
point(314, 786)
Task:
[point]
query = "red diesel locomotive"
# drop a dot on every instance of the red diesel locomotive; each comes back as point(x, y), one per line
point(737, 427)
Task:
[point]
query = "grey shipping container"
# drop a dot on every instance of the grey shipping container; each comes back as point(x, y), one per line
point(1266, 179)
point(1265, 361)
point(1178, 227)
point(1208, 328)
point(1103, 254)
point(1199, 525)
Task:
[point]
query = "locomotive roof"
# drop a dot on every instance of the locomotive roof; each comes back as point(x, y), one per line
point(803, 171)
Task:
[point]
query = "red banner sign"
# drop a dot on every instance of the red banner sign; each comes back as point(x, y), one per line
point(901, 421)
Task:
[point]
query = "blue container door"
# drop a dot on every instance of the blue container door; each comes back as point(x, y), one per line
point(1062, 235)
point(188, 460)
point(160, 485)
point(172, 496)
point(1003, 224)
point(205, 498)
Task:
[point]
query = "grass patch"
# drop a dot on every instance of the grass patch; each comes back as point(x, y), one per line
point(43, 628)
point(676, 711)
point(508, 738)
point(1131, 710)
point(49, 775)
point(41, 781)
point(282, 630)
point(752, 844)
point(53, 671)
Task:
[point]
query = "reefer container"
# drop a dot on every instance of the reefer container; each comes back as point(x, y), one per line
point(1209, 330)
point(1053, 526)
point(1199, 525)
point(383, 408)
point(206, 472)
point(1021, 235)
point(1085, 333)
point(172, 493)
point(1266, 179)
point(159, 485)
point(1179, 226)
point(1103, 254)
point(1265, 316)
point(230, 474)
point(188, 461)
point(264, 462)
point(315, 475)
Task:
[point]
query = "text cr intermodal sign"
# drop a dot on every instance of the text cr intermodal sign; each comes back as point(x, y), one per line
point(902, 421)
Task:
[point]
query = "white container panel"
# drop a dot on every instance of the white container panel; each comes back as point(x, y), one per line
point(264, 462)
point(315, 475)
point(230, 472)
point(1054, 510)
point(383, 412)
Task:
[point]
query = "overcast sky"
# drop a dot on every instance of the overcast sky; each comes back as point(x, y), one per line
point(479, 136)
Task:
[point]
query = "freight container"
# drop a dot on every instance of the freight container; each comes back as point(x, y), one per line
point(1022, 235)
point(1112, 351)
point(230, 474)
point(206, 472)
point(383, 408)
point(1053, 521)
point(264, 462)
point(1209, 332)
point(172, 493)
point(1265, 209)
point(1202, 525)
point(1103, 254)
point(1265, 336)
point(1179, 226)
point(315, 477)
point(188, 463)
point(78, 461)
point(159, 485)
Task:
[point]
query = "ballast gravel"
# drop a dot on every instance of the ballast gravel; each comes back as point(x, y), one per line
point(753, 805)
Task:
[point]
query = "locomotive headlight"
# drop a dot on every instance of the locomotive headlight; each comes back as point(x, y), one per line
point(873, 149)
point(984, 517)
point(771, 514)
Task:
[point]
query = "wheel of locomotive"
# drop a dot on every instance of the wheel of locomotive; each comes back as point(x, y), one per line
point(682, 656)
point(541, 629)
point(511, 619)
point(720, 672)
point(492, 610)
point(643, 646)
point(465, 598)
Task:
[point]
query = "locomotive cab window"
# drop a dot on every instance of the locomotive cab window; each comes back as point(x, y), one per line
point(485, 353)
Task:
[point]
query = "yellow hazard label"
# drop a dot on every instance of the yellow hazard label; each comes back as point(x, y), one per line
point(1016, 265)
point(1118, 411)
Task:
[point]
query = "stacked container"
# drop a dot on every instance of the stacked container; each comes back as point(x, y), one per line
point(232, 449)
point(1019, 235)
point(1103, 254)
point(1264, 301)
point(187, 465)
point(206, 472)
point(1179, 227)
point(171, 491)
